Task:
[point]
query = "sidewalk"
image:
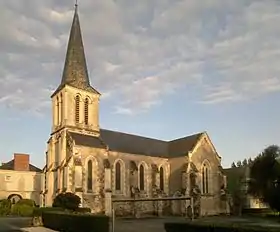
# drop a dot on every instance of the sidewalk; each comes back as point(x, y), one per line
point(37, 229)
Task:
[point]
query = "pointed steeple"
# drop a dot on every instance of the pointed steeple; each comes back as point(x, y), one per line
point(75, 71)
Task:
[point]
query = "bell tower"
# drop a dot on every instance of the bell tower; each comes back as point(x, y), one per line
point(75, 103)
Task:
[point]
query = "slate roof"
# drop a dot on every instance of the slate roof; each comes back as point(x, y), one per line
point(179, 146)
point(10, 166)
point(86, 140)
point(75, 72)
point(134, 144)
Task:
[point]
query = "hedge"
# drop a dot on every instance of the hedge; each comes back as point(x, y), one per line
point(195, 227)
point(22, 210)
point(69, 222)
point(257, 211)
point(5, 207)
point(26, 202)
point(37, 212)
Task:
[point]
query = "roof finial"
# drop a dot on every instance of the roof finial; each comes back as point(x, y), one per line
point(76, 3)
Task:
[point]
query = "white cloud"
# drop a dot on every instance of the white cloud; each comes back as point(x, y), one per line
point(140, 51)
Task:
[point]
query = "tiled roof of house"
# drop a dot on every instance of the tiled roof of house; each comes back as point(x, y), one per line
point(10, 166)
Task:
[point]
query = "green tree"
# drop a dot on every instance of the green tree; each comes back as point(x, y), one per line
point(233, 165)
point(265, 177)
point(250, 161)
point(244, 162)
point(67, 200)
point(239, 164)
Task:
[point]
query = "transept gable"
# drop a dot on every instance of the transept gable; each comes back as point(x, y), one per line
point(206, 144)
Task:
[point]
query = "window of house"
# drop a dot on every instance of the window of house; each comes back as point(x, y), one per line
point(161, 179)
point(141, 177)
point(77, 109)
point(89, 176)
point(8, 178)
point(86, 111)
point(118, 176)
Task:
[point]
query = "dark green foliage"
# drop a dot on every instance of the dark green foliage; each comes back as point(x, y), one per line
point(233, 165)
point(203, 227)
point(37, 212)
point(239, 164)
point(265, 177)
point(5, 207)
point(67, 200)
point(258, 212)
point(69, 222)
point(244, 162)
point(26, 202)
point(250, 161)
point(22, 210)
point(83, 210)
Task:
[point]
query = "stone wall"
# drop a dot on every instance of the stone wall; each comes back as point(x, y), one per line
point(150, 208)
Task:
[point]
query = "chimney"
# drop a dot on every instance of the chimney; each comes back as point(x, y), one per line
point(21, 162)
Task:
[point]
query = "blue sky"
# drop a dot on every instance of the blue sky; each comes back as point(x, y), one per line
point(166, 69)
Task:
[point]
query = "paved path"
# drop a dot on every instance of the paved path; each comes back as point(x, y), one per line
point(157, 224)
point(13, 224)
point(146, 225)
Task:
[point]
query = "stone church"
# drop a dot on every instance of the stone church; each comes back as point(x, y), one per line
point(98, 164)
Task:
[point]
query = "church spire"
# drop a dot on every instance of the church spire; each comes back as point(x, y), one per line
point(75, 71)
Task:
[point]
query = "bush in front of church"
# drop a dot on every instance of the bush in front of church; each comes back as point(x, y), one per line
point(69, 222)
point(5, 207)
point(26, 202)
point(68, 201)
point(22, 210)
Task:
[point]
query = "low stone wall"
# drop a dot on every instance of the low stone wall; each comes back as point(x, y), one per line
point(168, 208)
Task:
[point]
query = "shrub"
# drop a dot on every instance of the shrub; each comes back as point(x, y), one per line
point(195, 227)
point(257, 211)
point(26, 202)
point(69, 222)
point(5, 207)
point(67, 200)
point(22, 210)
point(83, 210)
point(37, 212)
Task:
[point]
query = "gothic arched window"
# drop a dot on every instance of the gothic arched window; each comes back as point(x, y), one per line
point(89, 176)
point(161, 178)
point(205, 179)
point(141, 177)
point(86, 111)
point(77, 109)
point(118, 176)
point(57, 110)
point(61, 108)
